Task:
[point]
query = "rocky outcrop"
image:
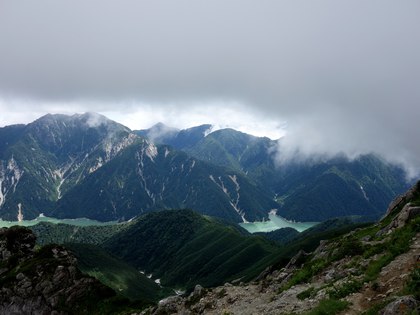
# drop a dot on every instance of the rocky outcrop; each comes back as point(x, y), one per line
point(46, 281)
point(403, 199)
point(402, 305)
point(407, 213)
point(402, 210)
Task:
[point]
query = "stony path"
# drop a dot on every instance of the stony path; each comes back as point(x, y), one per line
point(250, 300)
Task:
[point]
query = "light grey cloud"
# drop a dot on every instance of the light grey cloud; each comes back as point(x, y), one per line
point(345, 75)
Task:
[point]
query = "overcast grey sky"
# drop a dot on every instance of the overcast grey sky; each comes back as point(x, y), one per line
point(335, 76)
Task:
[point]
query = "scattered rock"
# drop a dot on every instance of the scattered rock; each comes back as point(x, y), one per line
point(296, 260)
point(168, 305)
point(402, 305)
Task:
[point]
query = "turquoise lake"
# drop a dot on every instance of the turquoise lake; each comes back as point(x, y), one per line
point(276, 222)
point(41, 218)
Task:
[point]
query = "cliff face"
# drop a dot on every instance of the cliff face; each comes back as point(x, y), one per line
point(373, 269)
point(45, 281)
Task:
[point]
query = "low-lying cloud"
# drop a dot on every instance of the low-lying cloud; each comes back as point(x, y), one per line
point(344, 75)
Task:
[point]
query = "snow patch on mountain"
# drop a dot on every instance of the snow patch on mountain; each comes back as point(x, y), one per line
point(1, 193)
point(140, 165)
point(61, 174)
point(233, 202)
point(364, 193)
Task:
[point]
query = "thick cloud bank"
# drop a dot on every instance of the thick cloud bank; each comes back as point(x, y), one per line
point(345, 75)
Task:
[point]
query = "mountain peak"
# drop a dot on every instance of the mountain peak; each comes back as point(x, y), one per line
point(85, 120)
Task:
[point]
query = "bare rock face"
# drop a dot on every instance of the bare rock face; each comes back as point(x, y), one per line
point(408, 212)
point(402, 199)
point(42, 282)
point(296, 260)
point(169, 305)
point(402, 305)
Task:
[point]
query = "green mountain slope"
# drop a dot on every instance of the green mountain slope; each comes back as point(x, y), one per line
point(48, 233)
point(179, 139)
point(183, 248)
point(339, 187)
point(145, 177)
point(88, 166)
point(236, 150)
point(368, 269)
point(40, 161)
point(306, 190)
point(116, 274)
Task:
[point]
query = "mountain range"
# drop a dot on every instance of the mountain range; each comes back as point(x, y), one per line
point(86, 165)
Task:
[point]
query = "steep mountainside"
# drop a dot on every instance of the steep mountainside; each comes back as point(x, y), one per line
point(41, 161)
point(236, 150)
point(180, 247)
point(88, 166)
point(183, 248)
point(339, 187)
point(371, 270)
point(146, 177)
point(117, 274)
point(305, 190)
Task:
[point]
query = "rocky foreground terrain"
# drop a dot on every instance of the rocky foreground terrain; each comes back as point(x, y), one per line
point(372, 270)
point(44, 281)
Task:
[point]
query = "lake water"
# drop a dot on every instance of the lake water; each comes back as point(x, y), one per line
point(42, 218)
point(276, 222)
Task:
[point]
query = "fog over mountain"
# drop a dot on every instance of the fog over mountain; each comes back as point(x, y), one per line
point(332, 76)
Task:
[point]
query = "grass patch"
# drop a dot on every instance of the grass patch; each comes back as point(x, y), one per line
point(368, 231)
point(398, 244)
point(345, 289)
point(413, 285)
point(306, 294)
point(375, 267)
point(329, 307)
point(123, 278)
point(350, 246)
point(372, 250)
point(374, 310)
point(305, 274)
